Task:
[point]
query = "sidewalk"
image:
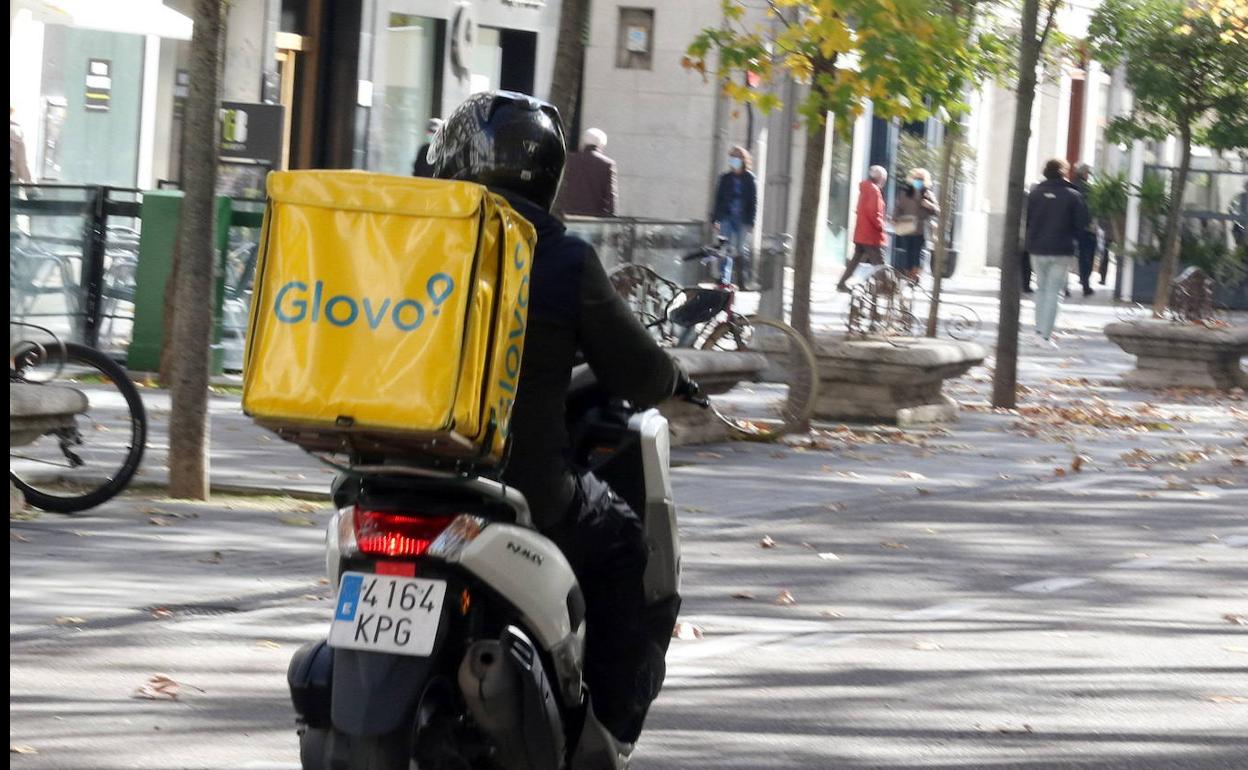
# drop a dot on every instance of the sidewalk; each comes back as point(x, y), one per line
point(952, 521)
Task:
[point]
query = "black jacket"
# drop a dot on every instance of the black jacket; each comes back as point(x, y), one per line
point(1056, 214)
point(723, 198)
point(421, 166)
point(572, 306)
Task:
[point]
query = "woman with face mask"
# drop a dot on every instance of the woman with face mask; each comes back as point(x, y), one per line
point(915, 207)
point(736, 200)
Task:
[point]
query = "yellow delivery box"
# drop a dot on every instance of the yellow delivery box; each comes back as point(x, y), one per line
point(388, 315)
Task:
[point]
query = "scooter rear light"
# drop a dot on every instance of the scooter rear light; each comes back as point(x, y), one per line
point(396, 535)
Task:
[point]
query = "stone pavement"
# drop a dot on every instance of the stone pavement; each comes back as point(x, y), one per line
point(1039, 589)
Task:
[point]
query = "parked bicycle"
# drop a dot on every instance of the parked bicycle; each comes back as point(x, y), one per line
point(782, 399)
point(77, 458)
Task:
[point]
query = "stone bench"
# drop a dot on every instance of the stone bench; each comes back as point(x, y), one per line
point(1180, 355)
point(717, 372)
point(896, 380)
point(36, 409)
point(33, 411)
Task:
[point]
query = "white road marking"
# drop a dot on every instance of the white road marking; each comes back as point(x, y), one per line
point(1145, 562)
point(940, 611)
point(1051, 585)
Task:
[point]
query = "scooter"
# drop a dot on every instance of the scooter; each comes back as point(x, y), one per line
point(458, 633)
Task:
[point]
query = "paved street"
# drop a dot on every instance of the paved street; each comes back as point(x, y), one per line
point(1061, 587)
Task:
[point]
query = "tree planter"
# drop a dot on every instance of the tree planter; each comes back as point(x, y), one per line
point(1144, 285)
point(896, 380)
point(1169, 355)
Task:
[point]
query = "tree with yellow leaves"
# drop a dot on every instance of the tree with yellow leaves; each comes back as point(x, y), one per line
point(1186, 63)
point(907, 57)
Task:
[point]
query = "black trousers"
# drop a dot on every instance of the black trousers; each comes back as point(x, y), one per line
point(1087, 257)
point(626, 639)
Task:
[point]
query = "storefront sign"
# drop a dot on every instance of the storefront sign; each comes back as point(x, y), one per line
point(252, 133)
point(99, 85)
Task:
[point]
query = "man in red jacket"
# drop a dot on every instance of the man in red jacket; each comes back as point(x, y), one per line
point(869, 236)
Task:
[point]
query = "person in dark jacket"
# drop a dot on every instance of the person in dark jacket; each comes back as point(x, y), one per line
point(1056, 215)
point(1087, 240)
point(422, 166)
point(589, 182)
point(736, 203)
point(513, 144)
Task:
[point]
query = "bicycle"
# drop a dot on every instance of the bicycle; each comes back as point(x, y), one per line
point(81, 460)
point(782, 398)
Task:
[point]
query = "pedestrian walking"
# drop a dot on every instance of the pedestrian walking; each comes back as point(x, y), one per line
point(1087, 240)
point(1056, 215)
point(869, 235)
point(915, 206)
point(736, 203)
point(421, 166)
point(589, 186)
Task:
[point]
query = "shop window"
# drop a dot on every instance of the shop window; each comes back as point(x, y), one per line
point(635, 39)
point(406, 91)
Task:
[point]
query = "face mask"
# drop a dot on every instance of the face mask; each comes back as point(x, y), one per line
point(918, 184)
point(735, 163)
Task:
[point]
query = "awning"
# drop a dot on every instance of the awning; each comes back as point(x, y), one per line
point(135, 17)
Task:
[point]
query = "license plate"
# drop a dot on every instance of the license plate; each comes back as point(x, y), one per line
point(384, 613)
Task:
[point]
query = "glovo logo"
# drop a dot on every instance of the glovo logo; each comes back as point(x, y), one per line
point(296, 303)
point(510, 376)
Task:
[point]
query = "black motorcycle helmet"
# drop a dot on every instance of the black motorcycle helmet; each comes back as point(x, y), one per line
point(506, 140)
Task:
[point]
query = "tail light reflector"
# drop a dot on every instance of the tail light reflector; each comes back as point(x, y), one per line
point(382, 533)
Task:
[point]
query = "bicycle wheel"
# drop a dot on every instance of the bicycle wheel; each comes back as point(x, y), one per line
point(782, 400)
point(73, 469)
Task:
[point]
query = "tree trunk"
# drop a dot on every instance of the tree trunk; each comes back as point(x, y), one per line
point(948, 177)
point(192, 323)
point(808, 213)
point(1174, 228)
point(565, 83)
point(1005, 376)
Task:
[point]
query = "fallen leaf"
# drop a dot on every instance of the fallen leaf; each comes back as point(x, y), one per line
point(1235, 619)
point(162, 613)
point(158, 521)
point(924, 644)
point(742, 595)
point(830, 614)
point(215, 557)
point(1059, 471)
point(14, 536)
point(711, 455)
point(1077, 464)
point(686, 632)
point(766, 542)
point(159, 687)
point(829, 557)
point(265, 644)
point(322, 581)
point(835, 507)
point(22, 749)
point(785, 598)
point(910, 475)
point(923, 492)
point(895, 546)
point(295, 520)
point(1228, 699)
point(70, 620)
point(311, 597)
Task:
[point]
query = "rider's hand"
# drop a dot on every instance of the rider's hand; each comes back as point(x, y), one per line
point(689, 390)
